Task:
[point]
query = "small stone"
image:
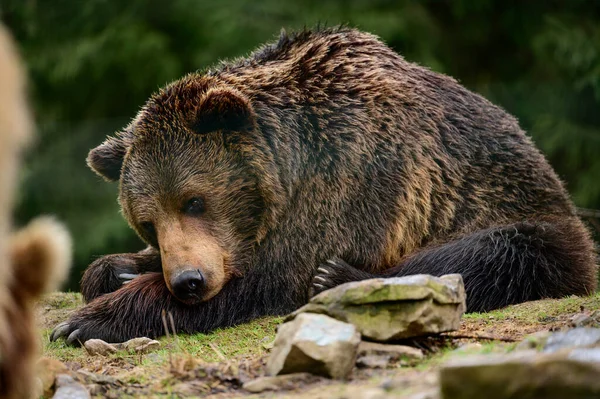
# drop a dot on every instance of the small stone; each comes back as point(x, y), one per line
point(586, 319)
point(577, 337)
point(525, 374)
point(68, 388)
point(94, 378)
point(373, 361)
point(314, 343)
point(385, 309)
point(535, 341)
point(99, 347)
point(275, 383)
point(395, 352)
point(138, 345)
point(580, 320)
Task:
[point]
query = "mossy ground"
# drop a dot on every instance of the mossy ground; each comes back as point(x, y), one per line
point(210, 364)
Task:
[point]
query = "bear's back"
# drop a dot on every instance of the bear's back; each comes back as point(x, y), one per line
point(345, 92)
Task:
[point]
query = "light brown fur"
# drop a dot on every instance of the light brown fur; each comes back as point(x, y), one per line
point(33, 260)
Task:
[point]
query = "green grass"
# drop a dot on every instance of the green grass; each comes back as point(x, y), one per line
point(224, 344)
point(154, 370)
point(244, 340)
point(63, 300)
point(538, 311)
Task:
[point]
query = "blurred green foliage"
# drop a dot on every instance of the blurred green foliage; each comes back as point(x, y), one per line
point(93, 63)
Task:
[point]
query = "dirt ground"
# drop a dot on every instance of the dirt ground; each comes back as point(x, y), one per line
point(216, 365)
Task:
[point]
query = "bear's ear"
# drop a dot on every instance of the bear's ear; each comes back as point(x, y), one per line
point(107, 159)
point(223, 109)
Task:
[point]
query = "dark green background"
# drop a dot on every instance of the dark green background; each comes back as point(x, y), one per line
point(93, 63)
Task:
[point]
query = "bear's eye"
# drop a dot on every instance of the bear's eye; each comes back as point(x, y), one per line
point(149, 230)
point(194, 207)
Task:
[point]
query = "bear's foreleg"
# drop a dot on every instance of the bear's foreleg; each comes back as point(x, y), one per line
point(500, 265)
point(135, 309)
point(108, 273)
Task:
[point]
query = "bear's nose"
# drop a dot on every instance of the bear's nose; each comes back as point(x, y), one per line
point(188, 284)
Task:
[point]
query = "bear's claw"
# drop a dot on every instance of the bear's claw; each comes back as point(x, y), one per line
point(333, 273)
point(75, 333)
point(71, 332)
point(73, 338)
point(59, 331)
point(329, 275)
point(127, 277)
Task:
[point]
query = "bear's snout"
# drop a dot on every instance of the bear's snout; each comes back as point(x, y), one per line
point(189, 284)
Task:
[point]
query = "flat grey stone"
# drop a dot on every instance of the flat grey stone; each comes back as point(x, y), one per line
point(525, 374)
point(275, 383)
point(99, 347)
point(139, 345)
point(373, 361)
point(68, 388)
point(395, 352)
point(316, 344)
point(577, 337)
point(586, 319)
point(97, 378)
point(385, 309)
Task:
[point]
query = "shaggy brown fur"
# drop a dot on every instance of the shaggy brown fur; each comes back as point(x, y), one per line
point(321, 159)
point(32, 260)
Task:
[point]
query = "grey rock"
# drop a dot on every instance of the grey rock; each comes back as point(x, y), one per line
point(97, 378)
point(393, 351)
point(577, 337)
point(139, 345)
point(586, 319)
point(525, 374)
point(314, 343)
point(99, 347)
point(68, 388)
point(275, 383)
point(376, 355)
point(373, 361)
point(394, 308)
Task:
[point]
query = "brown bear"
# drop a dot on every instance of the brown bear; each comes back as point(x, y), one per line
point(321, 159)
point(32, 260)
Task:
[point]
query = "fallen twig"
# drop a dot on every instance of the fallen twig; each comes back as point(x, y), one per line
point(481, 337)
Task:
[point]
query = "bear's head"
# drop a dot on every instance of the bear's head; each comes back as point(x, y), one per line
point(195, 182)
